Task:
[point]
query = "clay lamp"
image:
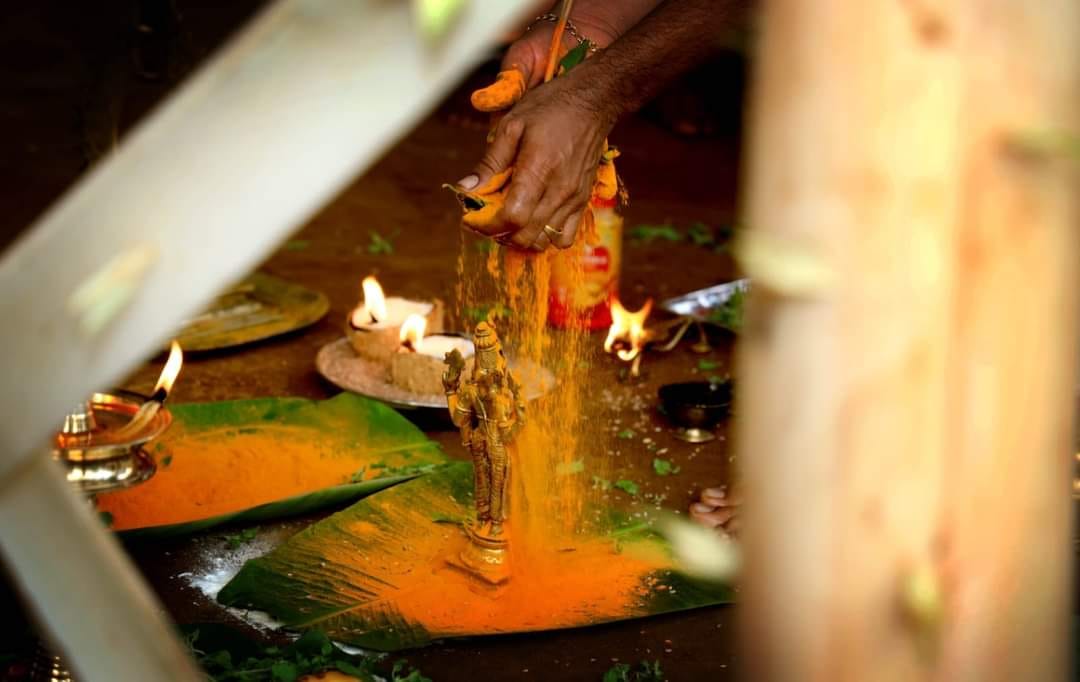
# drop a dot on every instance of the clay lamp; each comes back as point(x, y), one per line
point(417, 364)
point(374, 327)
point(102, 443)
point(696, 407)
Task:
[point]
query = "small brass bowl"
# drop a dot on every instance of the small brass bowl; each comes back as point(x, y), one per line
point(696, 407)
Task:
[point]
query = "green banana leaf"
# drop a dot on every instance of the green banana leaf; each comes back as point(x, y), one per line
point(256, 460)
point(376, 575)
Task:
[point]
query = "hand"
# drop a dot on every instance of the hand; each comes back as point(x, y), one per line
point(553, 138)
point(451, 378)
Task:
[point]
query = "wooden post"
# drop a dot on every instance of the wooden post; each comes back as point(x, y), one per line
point(908, 372)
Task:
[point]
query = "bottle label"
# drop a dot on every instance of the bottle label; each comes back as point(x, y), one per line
point(588, 299)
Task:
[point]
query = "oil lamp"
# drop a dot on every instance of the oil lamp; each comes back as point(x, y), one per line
point(627, 335)
point(374, 327)
point(102, 440)
point(417, 365)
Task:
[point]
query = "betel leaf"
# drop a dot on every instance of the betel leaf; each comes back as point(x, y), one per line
point(378, 575)
point(249, 461)
point(574, 57)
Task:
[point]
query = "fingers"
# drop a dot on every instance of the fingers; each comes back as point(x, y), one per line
point(710, 517)
point(563, 196)
point(569, 231)
point(542, 242)
point(718, 497)
point(499, 155)
point(557, 223)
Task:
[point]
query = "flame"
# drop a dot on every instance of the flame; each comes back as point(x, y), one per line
point(171, 369)
point(628, 328)
point(412, 332)
point(374, 300)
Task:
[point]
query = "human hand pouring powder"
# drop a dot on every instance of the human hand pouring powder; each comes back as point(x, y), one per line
point(548, 153)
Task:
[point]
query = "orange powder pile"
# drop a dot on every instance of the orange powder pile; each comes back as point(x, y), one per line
point(560, 587)
point(214, 473)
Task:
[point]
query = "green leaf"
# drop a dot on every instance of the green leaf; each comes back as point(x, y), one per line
point(662, 467)
point(343, 435)
point(627, 434)
point(601, 483)
point(347, 575)
point(628, 487)
point(378, 244)
point(707, 365)
point(645, 672)
point(646, 234)
point(244, 537)
point(166, 461)
point(570, 468)
point(700, 234)
point(222, 659)
point(730, 314)
point(574, 57)
point(283, 671)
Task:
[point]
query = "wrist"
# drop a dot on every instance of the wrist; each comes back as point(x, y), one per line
point(594, 25)
point(599, 90)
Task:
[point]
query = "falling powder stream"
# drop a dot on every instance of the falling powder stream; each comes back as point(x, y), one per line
point(560, 450)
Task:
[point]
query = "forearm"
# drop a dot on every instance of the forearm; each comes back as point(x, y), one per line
point(604, 21)
point(675, 37)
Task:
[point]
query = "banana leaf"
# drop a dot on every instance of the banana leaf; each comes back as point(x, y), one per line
point(257, 460)
point(379, 575)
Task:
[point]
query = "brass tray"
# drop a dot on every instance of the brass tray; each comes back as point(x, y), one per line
point(260, 307)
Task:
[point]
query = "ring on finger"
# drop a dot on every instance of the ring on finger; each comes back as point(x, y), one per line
point(551, 232)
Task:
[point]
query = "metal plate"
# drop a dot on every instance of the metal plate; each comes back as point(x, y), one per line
point(260, 307)
point(341, 366)
point(698, 304)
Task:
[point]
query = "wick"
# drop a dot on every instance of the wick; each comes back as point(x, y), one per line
point(374, 320)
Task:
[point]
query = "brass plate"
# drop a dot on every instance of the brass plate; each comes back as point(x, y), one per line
point(260, 307)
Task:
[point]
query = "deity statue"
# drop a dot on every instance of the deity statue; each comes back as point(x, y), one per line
point(489, 411)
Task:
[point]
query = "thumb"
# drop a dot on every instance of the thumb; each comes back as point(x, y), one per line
point(528, 55)
point(499, 155)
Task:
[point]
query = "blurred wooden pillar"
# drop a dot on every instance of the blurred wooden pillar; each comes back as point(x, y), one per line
point(909, 367)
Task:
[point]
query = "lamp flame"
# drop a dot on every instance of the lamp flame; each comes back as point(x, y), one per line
point(412, 332)
point(170, 371)
point(374, 299)
point(627, 330)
